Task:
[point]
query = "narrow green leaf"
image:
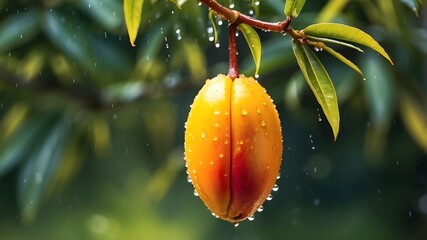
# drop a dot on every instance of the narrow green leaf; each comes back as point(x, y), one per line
point(18, 29)
point(196, 61)
point(215, 32)
point(17, 146)
point(331, 10)
point(254, 43)
point(63, 35)
point(328, 40)
point(415, 118)
point(346, 33)
point(133, 12)
point(343, 59)
point(320, 83)
point(40, 169)
point(379, 91)
point(293, 7)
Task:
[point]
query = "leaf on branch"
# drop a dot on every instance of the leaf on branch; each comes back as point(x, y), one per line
point(346, 33)
point(254, 43)
point(319, 82)
point(133, 12)
point(293, 7)
point(343, 59)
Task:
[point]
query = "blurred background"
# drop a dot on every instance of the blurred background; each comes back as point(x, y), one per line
point(91, 129)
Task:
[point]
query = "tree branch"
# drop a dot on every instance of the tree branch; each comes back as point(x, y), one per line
point(237, 17)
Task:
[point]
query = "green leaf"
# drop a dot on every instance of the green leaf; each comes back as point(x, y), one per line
point(196, 61)
point(133, 12)
point(319, 82)
point(179, 3)
point(331, 10)
point(254, 43)
point(380, 91)
point(328, 40)
point(18, 29)
point(104, 12)
point(414, 116)
point(293, 7)
point(17, 146)
point(346, 33)
point(63, 35)
point(343, 59)
point(40, 169)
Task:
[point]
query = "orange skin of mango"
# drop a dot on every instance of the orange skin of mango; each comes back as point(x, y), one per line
point(233, 146)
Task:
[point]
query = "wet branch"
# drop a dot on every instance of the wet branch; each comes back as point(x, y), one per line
point(237, 17)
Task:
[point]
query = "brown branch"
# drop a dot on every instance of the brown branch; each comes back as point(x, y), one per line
point(237, 17)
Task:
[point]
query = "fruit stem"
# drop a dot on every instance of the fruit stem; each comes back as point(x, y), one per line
point(233, 71)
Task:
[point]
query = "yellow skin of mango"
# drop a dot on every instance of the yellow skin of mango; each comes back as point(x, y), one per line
point(233, 146)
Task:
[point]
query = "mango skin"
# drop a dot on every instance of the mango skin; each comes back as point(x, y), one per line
point(233, 146)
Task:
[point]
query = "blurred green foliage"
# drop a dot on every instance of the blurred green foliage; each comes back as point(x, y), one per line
point(91, 129)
